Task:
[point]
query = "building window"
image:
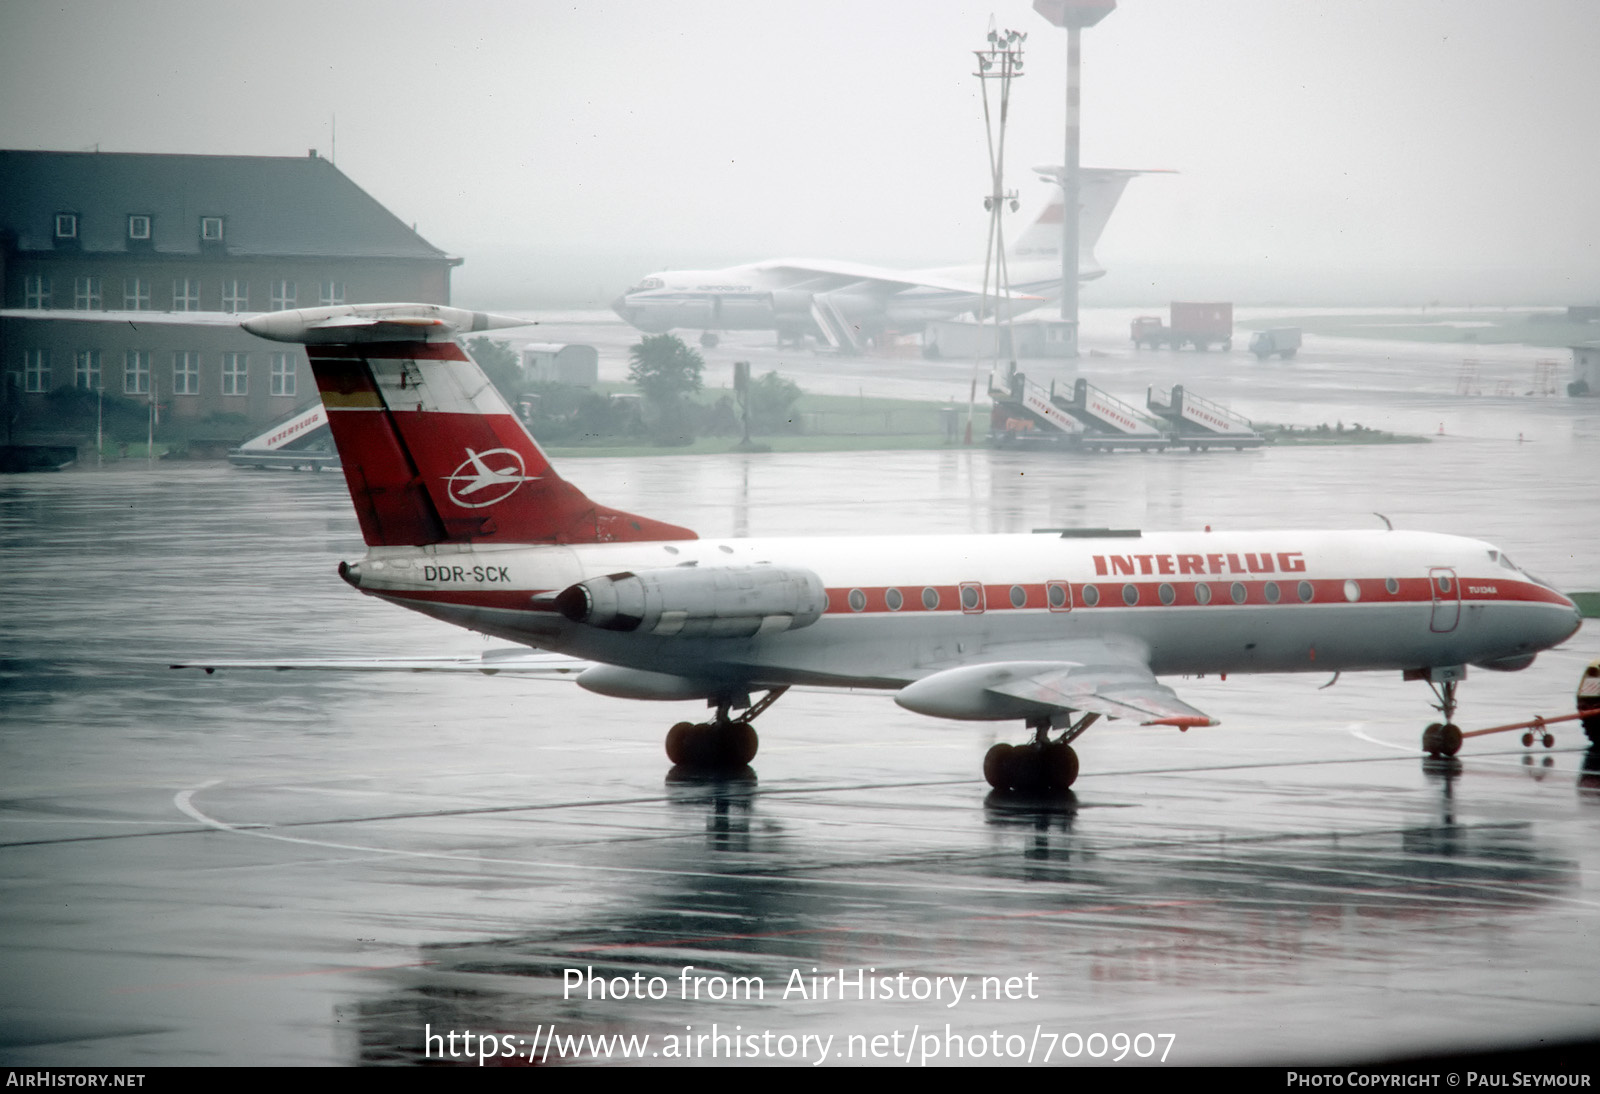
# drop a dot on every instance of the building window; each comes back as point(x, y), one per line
point(136, 294)
point(86, 294)
point(136, 372)
point(186, 373)
point(66, 225)
point(235, 295)
point(235, 373)
point(283, 373)
point(35, 369)
point(86, 374)
point(283, 294)
point(186, 294)
point(332, 293)
point(211, 229)
point(36, 291)
point(138, 227)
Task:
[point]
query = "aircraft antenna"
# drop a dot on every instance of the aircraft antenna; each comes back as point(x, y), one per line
point(998, 65)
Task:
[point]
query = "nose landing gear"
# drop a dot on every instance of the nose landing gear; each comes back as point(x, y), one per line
point(1441, 739)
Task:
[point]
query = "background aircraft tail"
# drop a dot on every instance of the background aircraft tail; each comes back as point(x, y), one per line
point(1099, 188)
point(431, 452)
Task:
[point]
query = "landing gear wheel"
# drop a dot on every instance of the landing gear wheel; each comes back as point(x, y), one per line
point(1449, 739)
point(1527, 740)
point(1059, 764)
point(679, 742)
point(1031, 768)
point(997, 766)
point(1591, 730)
point(712, 746)
point(1430, 739)
point(1549, 740)
point(738, 743)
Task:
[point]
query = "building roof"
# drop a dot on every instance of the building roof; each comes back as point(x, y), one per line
point(272, 206)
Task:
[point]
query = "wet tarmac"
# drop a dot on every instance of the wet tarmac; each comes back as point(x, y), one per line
point(326, 869)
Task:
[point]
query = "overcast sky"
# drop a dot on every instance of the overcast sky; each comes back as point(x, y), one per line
point(1437, 145)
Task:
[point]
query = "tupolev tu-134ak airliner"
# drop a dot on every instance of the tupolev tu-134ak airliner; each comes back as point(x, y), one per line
point(467, 521)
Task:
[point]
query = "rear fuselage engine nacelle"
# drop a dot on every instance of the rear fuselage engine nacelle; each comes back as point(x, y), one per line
point(691, 602)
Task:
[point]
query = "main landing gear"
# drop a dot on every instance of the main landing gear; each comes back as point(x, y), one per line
point(723, 744)
point(1042, 766)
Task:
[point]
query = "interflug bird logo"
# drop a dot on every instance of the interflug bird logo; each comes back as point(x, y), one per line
point(476, 484)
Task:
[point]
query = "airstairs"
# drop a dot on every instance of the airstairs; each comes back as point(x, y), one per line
point(1201, 423)
point(839, 331)
point(299, 441)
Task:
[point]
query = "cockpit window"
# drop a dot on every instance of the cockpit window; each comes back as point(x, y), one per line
point(647, 284)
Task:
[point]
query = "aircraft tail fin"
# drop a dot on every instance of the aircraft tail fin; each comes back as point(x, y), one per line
point(1099, 190)
point(431, 452)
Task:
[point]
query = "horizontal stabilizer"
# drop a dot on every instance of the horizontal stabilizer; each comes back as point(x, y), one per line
point(511, 660)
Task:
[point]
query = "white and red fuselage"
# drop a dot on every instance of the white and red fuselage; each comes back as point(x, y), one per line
point(899, 608)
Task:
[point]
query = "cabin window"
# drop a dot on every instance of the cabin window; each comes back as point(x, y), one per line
point(1352, 590)
point(930, 598)
point(1443, 581)
point(1091, 595)
point(1058, 594)
point(1306, 592)
point(858, 600)
point(971, 600)
point(893, 598)
point(1237, 592)
point(1392, 585)
point(1202, 593)
point(1168, 595)
point(1019, 596)
point(1272, 592)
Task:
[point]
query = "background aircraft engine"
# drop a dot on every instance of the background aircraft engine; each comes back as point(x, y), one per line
point(791, 304)
point(691, 602)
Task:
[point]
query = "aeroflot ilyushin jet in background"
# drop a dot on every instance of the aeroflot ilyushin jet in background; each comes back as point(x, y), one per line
point(466, 521)
point(842, 303)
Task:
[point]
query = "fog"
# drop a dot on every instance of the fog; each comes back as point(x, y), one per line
point(1401, 151)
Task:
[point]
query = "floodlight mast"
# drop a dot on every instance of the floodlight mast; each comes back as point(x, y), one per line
point(1074, 15)
point(1001, 62)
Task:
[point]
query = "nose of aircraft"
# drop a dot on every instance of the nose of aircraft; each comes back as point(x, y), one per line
point(620, 306)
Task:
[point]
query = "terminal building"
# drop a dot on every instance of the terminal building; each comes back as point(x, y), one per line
point(132, 232)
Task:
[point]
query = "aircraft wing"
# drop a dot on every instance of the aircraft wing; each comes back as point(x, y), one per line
point(892, 280)
point(1109, 676)
point(1125, 692)
point(512, 660)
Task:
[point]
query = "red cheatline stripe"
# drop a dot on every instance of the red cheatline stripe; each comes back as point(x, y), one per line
point(1110, 594)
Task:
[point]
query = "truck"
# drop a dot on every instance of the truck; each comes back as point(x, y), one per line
point(1197, 325)
point(1282, 341)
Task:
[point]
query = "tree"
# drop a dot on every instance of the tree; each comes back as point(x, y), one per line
point(666, 371)
point(499, 362)
point(772, 400)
